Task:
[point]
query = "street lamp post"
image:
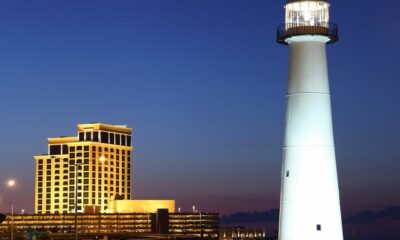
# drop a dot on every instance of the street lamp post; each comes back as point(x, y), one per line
point(201, 225)
point(11, 183)
point(12, 221)
point(77, 165)
point(102, 159)
point(12, 218)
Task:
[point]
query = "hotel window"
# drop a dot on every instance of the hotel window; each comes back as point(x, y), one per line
point(88, 136)
point(111, 138)
point(55, 150)
point(81, 136)
point(64, 149)
point(117, 139)
point(95, 136)
point(123, 140)
point(104, 137)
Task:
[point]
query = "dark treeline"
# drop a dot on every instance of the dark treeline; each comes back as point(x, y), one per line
point(349, 218)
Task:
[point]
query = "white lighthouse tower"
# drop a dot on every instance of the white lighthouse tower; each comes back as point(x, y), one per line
point(310, 205)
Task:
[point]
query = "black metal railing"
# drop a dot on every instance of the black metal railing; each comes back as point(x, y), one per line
point(288, 30)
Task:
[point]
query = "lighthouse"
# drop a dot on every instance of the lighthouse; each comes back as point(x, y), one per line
point(309, 204)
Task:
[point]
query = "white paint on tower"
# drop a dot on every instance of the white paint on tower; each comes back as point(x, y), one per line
point(310, 205)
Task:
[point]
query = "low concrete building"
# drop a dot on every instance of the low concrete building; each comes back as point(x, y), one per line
point(160, 224)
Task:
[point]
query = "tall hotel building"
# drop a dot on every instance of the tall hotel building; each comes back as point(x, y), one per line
point(99, 157)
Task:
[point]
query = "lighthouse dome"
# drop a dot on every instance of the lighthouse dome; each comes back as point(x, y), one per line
point(306, 13)
point(307, 17)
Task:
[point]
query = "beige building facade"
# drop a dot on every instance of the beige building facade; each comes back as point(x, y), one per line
point(98, 158)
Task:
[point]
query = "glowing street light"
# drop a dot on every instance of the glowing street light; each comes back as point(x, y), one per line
point(10, 183)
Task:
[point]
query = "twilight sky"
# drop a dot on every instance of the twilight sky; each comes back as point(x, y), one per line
point(202, 83)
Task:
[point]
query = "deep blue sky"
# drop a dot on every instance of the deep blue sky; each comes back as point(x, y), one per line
point(202, 83)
